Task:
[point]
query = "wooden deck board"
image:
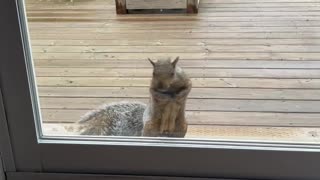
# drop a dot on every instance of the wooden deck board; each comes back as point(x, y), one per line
point(218, 117)
point(279, 134)
point(179, 49)
point(225, 105)
point(196, 82)
point(194, 72)
point(251, 63)
point(186, 56)
point(143, 63)
point(198, 93)
point(185, 42)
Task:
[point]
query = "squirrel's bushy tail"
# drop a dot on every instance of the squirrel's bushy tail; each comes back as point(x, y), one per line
point(114, 119)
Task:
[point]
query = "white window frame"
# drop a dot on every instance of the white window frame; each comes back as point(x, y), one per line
point(27, 154)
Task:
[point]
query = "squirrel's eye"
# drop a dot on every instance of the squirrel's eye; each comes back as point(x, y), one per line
point(172, 74)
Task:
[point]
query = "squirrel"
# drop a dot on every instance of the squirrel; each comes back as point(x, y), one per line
point(114, 119)
point(163, 116)
point(170, 86)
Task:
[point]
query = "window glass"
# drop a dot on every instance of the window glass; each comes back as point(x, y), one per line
point(252, 69)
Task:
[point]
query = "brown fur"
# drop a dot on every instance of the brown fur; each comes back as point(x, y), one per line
point(169, 89)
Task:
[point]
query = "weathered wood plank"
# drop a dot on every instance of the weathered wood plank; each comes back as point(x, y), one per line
point(194, 72)
point(192, 22)
point(222, 105)
point(196, 82)
point(175, 30)
point(106, 5)
point(143, 63)
point(133, 3)
point(287, 134)
point(170, 42)
point(218, 93)
point(218, 16)
point(110, 10)
point(212, 118)
point(287, 35)
point(180, 4)
point(178, 49)
point(184, 56)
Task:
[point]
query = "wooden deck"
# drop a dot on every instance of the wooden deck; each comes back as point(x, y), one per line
point(255, 66)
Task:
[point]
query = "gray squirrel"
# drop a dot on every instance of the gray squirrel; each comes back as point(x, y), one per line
point(164, 115)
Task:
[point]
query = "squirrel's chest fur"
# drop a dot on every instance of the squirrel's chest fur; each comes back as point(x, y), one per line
point(175, 85)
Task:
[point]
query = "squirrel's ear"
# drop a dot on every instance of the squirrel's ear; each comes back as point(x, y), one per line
point(152, 62)
point(175, 61)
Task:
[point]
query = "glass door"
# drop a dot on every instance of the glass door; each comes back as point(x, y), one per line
point(86, 91)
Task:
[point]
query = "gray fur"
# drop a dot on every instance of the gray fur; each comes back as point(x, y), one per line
point(170, 86)
point(114, 119)
point(164, 115)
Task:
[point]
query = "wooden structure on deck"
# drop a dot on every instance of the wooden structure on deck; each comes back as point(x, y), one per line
point(122, 6)
point(255, 66)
